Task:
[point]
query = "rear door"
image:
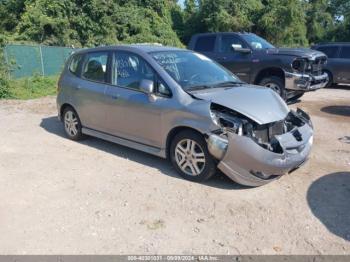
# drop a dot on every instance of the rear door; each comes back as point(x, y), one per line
point(206, 44)
point(237, 62)
point(344, 64)
point(90, 90)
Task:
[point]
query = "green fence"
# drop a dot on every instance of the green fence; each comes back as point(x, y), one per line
point(28, 60)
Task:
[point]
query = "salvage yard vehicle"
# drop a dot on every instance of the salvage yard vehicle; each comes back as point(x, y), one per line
point(181, 105)
point(338, 65)
point(289, 71)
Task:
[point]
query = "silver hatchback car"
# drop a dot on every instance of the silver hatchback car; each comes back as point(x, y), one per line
point(178, 104)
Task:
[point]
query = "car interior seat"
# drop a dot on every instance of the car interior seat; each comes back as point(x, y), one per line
point(95, 71)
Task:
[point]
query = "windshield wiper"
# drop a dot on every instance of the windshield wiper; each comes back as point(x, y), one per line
point(221, 84)
point(200, 87)
point(228, 84)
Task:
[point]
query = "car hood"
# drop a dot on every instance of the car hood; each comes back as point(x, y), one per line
point(298, 52)
point(260, 104)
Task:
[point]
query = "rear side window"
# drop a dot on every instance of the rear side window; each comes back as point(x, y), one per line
point(75, 63)
point(205, 43)
point(345, 52)
point(330, 51)
point(95, 67)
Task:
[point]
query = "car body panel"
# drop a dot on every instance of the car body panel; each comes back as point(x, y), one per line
point(88, 97)
point(257, 103)
point(296, 52)
point(127, 111)
point(339, 69)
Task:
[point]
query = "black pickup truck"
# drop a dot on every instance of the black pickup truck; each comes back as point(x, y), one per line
point(288, 71)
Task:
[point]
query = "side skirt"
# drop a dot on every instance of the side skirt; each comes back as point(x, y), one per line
point(124, 142)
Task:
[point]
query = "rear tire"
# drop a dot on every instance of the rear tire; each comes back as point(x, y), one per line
point(72, 124)
point(190, 156)
point(276, 84)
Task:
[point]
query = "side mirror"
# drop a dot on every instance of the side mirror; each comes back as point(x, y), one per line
point(240, 49)
point(147, 86)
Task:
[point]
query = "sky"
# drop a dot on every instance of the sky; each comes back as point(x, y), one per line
point(181, 2)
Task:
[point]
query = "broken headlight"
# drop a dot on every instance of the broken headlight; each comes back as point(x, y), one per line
point(230, 120)
point(227, 122)
point(300, 65)
point(234, 122)
point(263, 135)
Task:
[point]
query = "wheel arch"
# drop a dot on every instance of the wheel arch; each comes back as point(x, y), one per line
point(63, 107)
point(267, 72)
point(330, 73)
point(173, 132)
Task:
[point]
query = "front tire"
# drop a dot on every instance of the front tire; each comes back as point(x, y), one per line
point(296, 97)
point(72, 124)
point(330, 79)
point(190, 156)
point(276, 84)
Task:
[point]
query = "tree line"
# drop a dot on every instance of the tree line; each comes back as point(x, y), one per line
point(86, 23)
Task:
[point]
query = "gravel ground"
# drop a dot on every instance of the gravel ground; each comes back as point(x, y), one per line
point(95, 197)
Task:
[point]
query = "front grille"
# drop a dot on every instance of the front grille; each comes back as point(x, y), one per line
point(317, 65)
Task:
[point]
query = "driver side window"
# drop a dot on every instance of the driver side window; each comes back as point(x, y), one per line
point(228, 40)
point(129, 70)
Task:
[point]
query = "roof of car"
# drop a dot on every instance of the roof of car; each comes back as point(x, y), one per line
point(218, 33)
point(147, 48)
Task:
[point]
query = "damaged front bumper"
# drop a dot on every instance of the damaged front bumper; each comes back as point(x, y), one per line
point(247, 163)
point(305, 82)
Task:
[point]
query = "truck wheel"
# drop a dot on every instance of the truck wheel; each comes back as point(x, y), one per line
point(276, 84)
point(330, 77)
point(296, 97)
point(190, 157)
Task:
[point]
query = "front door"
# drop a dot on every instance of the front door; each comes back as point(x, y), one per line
point(131, 113)
point(235, 61)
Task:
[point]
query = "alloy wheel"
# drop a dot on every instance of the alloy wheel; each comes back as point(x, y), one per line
point(71, 123)
point(190, 157)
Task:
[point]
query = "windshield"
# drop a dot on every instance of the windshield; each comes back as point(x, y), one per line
point(191, 70)
point(256, 42)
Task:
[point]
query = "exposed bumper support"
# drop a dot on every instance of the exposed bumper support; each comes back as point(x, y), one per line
point(217, 146)
point(305, 82)
point(247, 163)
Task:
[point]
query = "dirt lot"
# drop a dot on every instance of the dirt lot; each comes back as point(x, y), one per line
point(95, 197)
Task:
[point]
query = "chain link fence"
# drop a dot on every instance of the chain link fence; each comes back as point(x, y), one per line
point(28, 60)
